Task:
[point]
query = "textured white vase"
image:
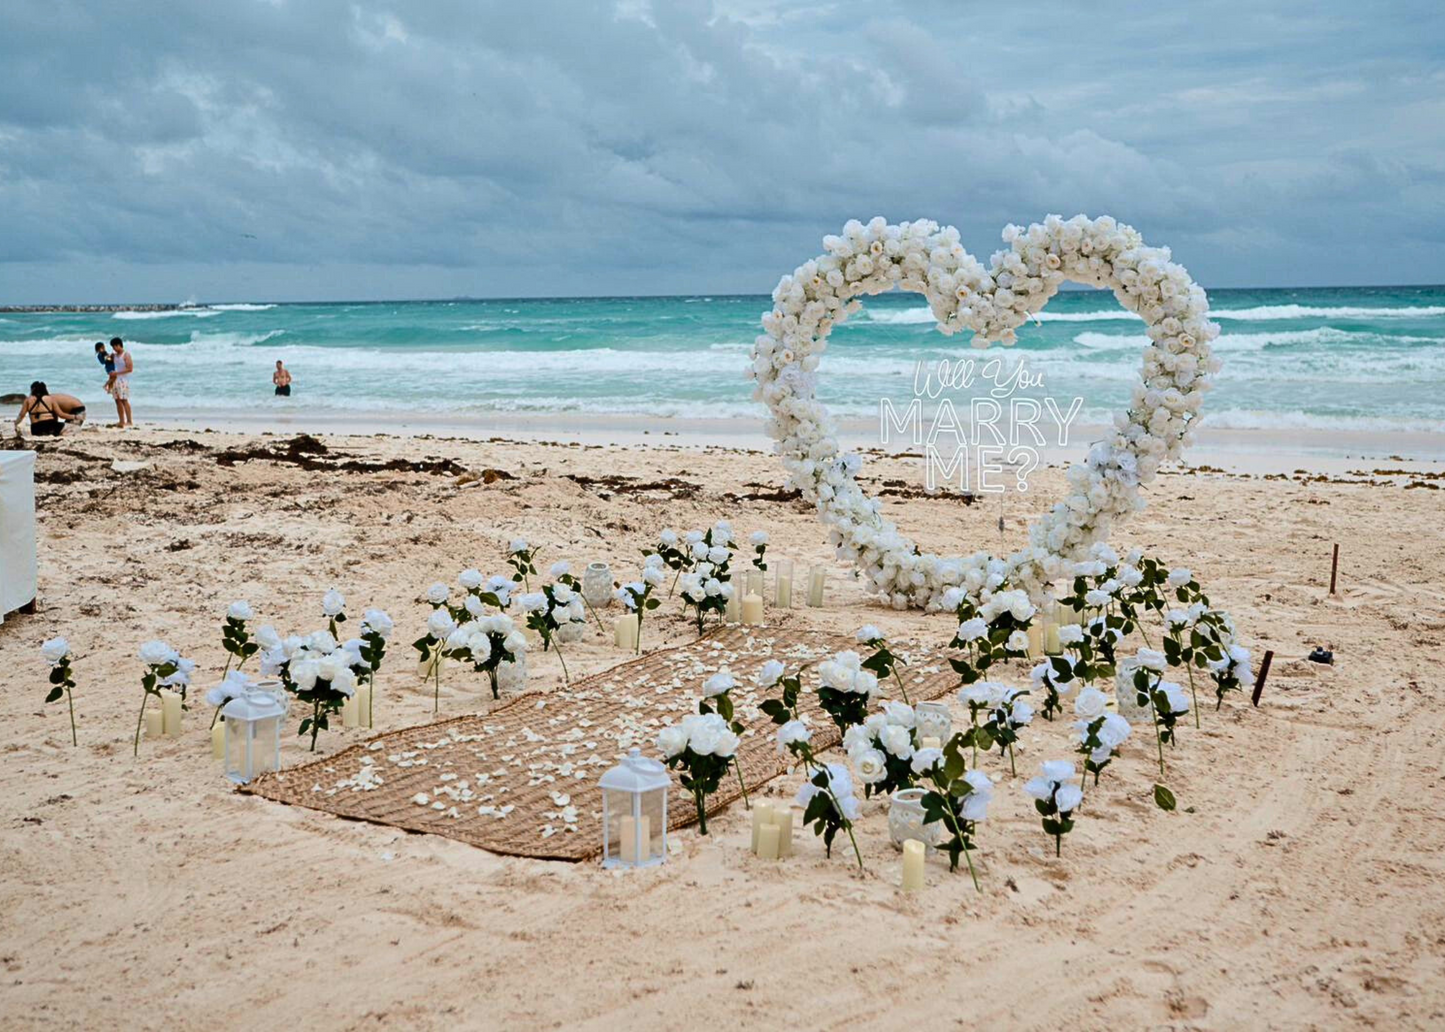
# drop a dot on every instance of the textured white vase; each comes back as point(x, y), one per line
point(597, 585)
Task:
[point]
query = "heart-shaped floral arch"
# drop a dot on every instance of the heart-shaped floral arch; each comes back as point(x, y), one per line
point(993, 302)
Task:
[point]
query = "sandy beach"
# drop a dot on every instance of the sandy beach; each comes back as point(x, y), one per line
point(1299, 885)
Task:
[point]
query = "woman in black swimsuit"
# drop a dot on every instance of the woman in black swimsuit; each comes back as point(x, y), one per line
point(49, 413)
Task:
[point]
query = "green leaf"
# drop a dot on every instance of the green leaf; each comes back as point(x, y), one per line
point(1163, 798)
point(55, 693)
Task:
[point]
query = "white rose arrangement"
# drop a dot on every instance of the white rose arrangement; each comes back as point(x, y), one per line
point(1008, 711)
point(717, 698)
point(845, 689)
point(376, 628)
point(523, 559)
point(561, 572)
point(883, 664)
point(62, 680)
point(557, 615)
point(494, 646)
point(1056, 799)
point(1144, 674)
point(707, 584)
point(320, 673)
point(1100, 732)
point(829, 805)
point(993, 619)
point(881, 749)
point(957, 799)
point(432, 645)
point(991, 302)
point(674, 553)
point(702, 747)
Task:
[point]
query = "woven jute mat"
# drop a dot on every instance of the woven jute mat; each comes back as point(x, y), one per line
point(522, 779)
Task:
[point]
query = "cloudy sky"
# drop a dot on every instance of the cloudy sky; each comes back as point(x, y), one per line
point(310, 149)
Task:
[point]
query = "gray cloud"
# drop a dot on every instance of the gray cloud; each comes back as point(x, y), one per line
point(334, 149)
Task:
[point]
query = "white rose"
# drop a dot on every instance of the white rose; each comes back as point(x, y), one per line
point(517, 546)
point(440, 624)
point(718, 683)
point(470, 579)
point(1090, 704)
point(870, 766)
point(869, 633)
point(770, 673)
point(1068, 798)
point(157, 653)
point(671, 741)
point(925, 760)
point(437, 593)
point(1070, 634)
point(972, 630)
point(378, 621)
point(240, 610)
point(1018, 641)
point(332, 603)
point(55, 649)
point(897, 740)
point(1151, 659)
point(792, 731)
point(1057, 770)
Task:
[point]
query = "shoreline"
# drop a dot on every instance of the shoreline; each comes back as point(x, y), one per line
point(1241, 451)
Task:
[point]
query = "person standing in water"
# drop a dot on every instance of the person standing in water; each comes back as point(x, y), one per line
point(282, 379)
point(119, 383)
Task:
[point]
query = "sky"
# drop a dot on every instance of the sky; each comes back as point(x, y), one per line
point(314, 150)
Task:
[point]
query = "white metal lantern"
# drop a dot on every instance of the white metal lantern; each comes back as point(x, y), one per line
point(634, 812)
point(253, 734)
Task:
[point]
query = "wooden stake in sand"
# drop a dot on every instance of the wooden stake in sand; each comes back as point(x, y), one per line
point(1263, 673)
point(1334, 568)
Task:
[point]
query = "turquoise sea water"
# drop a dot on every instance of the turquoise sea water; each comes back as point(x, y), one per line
point(1336, 358)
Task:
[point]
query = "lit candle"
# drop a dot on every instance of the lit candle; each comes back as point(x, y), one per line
point(785, 584)
point(912, 865)
point(171, 712)
point(218, 739)
point(624, 631)
point(817, 576)
point(363, 705)
point(155, 723)
point(768, 836)
point(930, 743)
point(783, 816)
point(753, 609)
point(762, 814)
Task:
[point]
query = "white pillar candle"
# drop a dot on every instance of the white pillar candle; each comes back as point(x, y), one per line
point(624, 631)
point(762, 814)
point(930, 743)
point(768, 836)
point(1052, 647)
point(431, 664)
point(817, 576)
point(171, 713)
point(912, 865)
point(784, 584)
point(753, 609)
point(783, 816)
point(155, 723)
point(348, 712)
point(218, 739)
point(734, 613)
point(363, 705)
point(634, 835)
point(1036, 638)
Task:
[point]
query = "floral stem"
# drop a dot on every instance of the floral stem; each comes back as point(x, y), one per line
point(565, 678)
point(436, 675)
point(1013, 771)
point(1193, 694)
point(594, 613)
point(738, 768)
point(901, 688)
point(140, 719)
point(315, 723)
point(698, 800)
point(70, 701)
point(1154, 712)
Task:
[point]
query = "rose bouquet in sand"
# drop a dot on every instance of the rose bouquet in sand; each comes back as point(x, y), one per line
point(673, 553)
point(957, 799)
point(1100, 732)
point(522, 558)
point(1007, 712)
point(845, 689)
point(829, 805)
point(164, 668)
point(494, 646)
point(883, 664)
point(319, 672)
point(702, 747)
point(556, 614)
point(561, 572)
point(707, 585)
point(636, 596)
point(333, 607)
point(432, 645)
point(62, 680)
point(717, 698)
point(376, 628)
point(993, 623)
point(236, 636)
point(1057, 676)
point(1143, 673)
point(1056, 799)
point(881, 749)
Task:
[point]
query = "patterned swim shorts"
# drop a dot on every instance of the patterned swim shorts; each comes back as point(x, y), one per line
point(120, 390)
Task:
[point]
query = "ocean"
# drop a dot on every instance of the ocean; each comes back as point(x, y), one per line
point(1326, 358)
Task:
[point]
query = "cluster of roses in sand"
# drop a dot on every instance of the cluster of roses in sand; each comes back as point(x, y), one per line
point(1114, 601)
point(992, 303)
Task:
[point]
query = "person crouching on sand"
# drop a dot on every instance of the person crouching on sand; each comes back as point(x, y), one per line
point(282, 379)
point(119, 383)
point(49, 413)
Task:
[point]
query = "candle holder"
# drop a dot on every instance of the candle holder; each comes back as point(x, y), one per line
point(933, 720)
point(597, 585)
point(634, 812)
point(783, 584)
point(905, 819)
point(253, 734)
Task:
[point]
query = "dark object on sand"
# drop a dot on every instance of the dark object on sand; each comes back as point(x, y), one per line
point(1319, 655)
point(12, 399)
point(1263, 673)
